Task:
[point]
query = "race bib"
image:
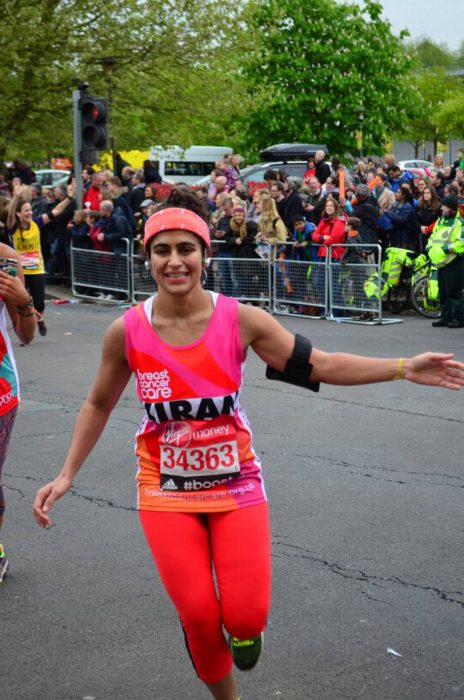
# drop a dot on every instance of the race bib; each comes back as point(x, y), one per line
point(191, 465)
point(29, 261)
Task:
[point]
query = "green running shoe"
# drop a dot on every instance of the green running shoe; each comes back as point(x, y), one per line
point(3, 563)
point(246, 652)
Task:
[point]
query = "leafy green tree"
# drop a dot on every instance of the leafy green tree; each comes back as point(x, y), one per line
point(434, 121)
point(431, 55)
point(449, 116)
point(315, 63)
point(172, 77)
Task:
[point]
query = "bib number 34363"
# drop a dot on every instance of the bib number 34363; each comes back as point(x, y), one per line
point(221, 459)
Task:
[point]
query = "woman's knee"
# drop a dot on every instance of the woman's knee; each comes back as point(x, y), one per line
point(247, 622)
point(201, 618)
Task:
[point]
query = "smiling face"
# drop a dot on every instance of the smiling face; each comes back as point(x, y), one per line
point(25, 215)
point(238, 217)
point(329, 208)
point(176, 259)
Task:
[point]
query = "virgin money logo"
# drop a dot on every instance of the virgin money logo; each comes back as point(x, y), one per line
point(177, 433)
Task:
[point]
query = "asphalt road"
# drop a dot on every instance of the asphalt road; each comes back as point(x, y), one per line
point(366, 492)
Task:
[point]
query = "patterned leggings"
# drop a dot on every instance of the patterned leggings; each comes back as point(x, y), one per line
point(6, 426)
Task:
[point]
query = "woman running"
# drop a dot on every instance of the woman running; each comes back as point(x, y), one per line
point(24, 231)
point(17, 303)
point(200, 490)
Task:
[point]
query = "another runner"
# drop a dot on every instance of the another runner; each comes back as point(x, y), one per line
point(24, 231)
point(14, 300)
point(200, 490)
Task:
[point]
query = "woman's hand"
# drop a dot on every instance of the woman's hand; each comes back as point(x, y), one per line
point(12, 289)
point(71, 189)
point(435, 369)
point(46, 497)
point(17, 187)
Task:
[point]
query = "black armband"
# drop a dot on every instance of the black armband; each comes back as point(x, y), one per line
point(298, 368)
point(51, 215)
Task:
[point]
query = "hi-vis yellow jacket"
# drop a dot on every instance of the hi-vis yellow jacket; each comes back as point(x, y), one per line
point(446, 241)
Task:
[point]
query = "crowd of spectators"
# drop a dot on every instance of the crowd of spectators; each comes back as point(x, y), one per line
point(394, 208)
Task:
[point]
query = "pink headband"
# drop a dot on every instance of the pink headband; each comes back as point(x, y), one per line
point(176, 219)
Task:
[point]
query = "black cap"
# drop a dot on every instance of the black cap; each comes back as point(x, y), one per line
point(450, 201)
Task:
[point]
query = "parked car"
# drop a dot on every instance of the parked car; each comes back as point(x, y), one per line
point(419, 168)
point(255, 173)
point(292, 151)
point(52, 178)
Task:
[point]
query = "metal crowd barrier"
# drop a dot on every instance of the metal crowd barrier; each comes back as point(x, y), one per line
point(299, 286)
point(97, 272)
point(320, 287)
point(246, 279)
point(354, 289)
point(143, 284)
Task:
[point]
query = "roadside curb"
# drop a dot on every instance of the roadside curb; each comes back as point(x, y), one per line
point(58, 293)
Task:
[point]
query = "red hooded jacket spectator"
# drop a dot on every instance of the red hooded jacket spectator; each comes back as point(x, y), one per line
point(331, 229)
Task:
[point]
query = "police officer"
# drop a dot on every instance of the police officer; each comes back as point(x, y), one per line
point(445, 249)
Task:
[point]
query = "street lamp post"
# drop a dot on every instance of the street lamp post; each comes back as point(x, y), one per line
point(108, 64)
point(360, 111)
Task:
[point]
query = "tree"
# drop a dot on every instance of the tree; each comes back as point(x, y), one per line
point(315, 63)
point(433, 119)
point(432, 55)
point(172, 68)
point(449, 116)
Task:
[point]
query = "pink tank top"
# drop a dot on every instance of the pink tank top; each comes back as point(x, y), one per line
point(193, 448)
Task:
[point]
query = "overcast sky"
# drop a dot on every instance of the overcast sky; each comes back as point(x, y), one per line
point(440, 21)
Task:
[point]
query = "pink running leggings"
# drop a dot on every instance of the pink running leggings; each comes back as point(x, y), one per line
point(185, 546)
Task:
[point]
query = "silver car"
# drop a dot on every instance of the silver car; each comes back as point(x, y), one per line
point(52, 178)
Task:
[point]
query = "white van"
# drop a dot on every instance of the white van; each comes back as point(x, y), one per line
point(176, 164)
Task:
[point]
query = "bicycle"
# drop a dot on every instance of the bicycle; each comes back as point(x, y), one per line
point(415, 289)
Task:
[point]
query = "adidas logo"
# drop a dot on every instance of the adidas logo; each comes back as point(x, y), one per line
point(169, 485)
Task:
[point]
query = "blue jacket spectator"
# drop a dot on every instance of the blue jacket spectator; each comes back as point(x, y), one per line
point(403, 219)
point(120, 199)
point(114, 227)
point(398, 177)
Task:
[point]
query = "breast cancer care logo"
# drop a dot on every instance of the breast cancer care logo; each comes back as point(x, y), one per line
point(177, 433)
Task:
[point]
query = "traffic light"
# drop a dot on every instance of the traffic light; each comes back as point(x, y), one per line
point(93, 127)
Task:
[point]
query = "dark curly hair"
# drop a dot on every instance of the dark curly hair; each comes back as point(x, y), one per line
point(183, 197)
